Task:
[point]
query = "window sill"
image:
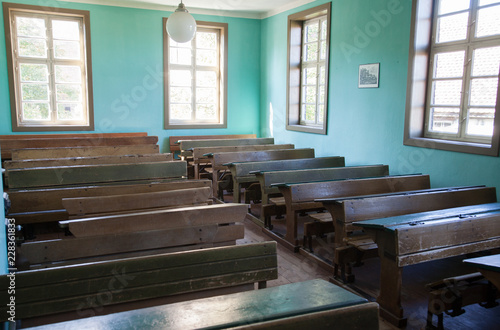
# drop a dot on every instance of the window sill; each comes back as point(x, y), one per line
point(307, 129)
point(194, 126)
point(456, 146)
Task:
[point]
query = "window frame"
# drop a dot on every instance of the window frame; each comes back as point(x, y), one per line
point(422, 25)
point(294, 68)
point(17, 126)
point(222, 88)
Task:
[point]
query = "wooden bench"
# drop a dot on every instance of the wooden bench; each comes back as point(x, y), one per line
point(220, 161)
point(346, 211)
point(22, 141)
point(415, 238)
point(314, 304)
point(186, 146)
point(300, 197)
point(142, 232)
point(243, 174)
point(115, 285)
point(175, 145)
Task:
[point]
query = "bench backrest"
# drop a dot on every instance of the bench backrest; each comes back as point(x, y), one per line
point(65, 152)
point(307, 192)
point(76, 287)
point(189, 144)
point(220, 160)
point(175, 146)
point(200, 152)
point(94, 174)
point(244, 169)
point(96, 160)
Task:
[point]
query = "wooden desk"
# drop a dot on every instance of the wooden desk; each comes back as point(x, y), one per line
point(414, 238)
point(315, 304)
point(489, 266)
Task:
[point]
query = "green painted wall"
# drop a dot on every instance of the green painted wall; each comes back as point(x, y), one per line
point(364, 125)
point(127, 59)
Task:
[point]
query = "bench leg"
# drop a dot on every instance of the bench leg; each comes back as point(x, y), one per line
point(390, 291)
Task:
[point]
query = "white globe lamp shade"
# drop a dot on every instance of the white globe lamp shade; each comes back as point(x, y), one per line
point(181, 26)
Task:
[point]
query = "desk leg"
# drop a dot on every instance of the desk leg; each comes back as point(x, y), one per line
point(236, 191)
point(196, 170)
point(390, 290)
point(291, 227)
point(215, 182)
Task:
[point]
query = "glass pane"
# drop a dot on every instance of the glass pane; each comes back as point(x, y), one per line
point(206, 79)
point(67, 49)
point(180, 95)
point(485, 62)
point(322, 76)
point(180, 56)
point(487, 2)
point(311, 113)
point(481, 122)
point(311, 94)
point(30, 27)
point(206, 111)
point(323, 30)
point(322, 54)
point(180, 111)
point(444, 120)
point(68, 74)
point(447, 92)
point(32, 47)
point(483, 92)
point(35, 92)
point(321, 95)
point(310, 76)
point(69, 111)
point(453, 27)
point(36, 111)
point(311, 52)
point(312, 32)
point(68, 92)
point(488, 23)
point(206, 95)
point(206, 57)
point(180, 78)
point(34, 72)
point(66, 30)
point(451, 6)
point(449, 65)
point(173, 43)
point(321, 112)
point(207, 40)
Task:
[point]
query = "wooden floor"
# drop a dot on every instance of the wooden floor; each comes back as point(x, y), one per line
point(295, 267)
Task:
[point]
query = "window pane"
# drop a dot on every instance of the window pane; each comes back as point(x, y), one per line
point(67, 50)
point(447, 92)
point(453, 27)
point(206, 40)
point(34, 72)
point(180, 56)
point(180, 78)
point(206, 79)
point(68, 92)
point(323, 29)
point(206, 57)
point(311, 113)
point(65, 30)
point(449, 65)
point(481, 122)
point(444, 120)
point(32, 47)
point(206, 112)
point(30, 27)
point(483, 91)
point(206, 95)
point(322, 54)
point(35, 92)
point(36, 111)
point(180, 111)
point(321, 112)
point(311, 52)
point(488, 22)
point(487, 2)
point(310, 76)
point(485, 62)
point(180, 95)
point(312, 32)
point(68, 74)
point(451, 6)
point(69, 111)
point(311, 94)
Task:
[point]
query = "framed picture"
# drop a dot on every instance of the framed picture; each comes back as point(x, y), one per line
point(369, 75)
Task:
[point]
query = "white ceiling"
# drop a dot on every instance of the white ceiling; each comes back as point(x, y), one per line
point(235, 8)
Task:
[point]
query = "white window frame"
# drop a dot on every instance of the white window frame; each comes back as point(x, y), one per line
point(11, 11)
point(221, 73)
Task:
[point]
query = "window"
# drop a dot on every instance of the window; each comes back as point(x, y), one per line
point(50, 78)
point(308, 57)
point(196, 84)
point(453, 105)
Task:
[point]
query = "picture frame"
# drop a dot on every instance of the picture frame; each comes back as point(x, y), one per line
point(369, 75)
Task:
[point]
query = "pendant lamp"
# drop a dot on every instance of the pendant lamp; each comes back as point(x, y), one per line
point(181, 26)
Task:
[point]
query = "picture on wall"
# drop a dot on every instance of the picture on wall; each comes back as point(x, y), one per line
point(369, 75)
